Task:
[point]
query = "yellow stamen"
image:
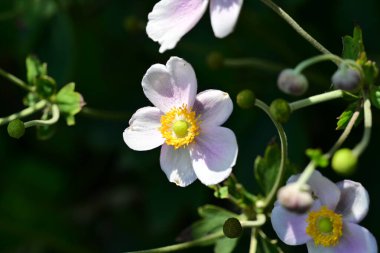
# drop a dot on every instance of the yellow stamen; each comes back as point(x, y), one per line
point(325, 227)
point(179, 126)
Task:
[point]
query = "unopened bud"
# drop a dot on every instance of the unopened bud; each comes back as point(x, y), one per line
point(246, 99)
point(346, 78)
point(295, 199)
point(280, 110)
point(232, 228)
point(344, 161)
point(16, 129)
point(215, 60)
point(292, 83)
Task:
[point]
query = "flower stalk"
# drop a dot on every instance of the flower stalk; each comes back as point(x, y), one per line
point(327, 96)
point(16, 80)
point(362, 145)
point(24, 113)
point(54, 119)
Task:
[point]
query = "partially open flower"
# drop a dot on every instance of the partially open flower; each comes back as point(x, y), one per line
point(331, 224)
point(295, 199)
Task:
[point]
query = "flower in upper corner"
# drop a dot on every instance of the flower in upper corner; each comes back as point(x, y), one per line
point(186, 124)
point(330, 226)
point(172, 19)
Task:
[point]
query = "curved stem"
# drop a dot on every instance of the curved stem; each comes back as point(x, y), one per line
point(16, 80)
point(103, 114)
point(295, 26)
point(319, 58)
point(261, 219)
point(51, 121)
point(359, 149)
point(254, 63)
point(24, 113)
point(284, 154)
point(185, 245)
point(316, 99)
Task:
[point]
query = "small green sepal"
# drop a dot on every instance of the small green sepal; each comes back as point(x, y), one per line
point(317, 157)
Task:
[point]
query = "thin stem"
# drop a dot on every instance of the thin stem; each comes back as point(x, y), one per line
point(253, 63)
point(295, 26)
point(316, 99)
point(306, 174)
point(103, 114)
point(284, 154)
point(51, 121)
point(185, 245)
point(24, 113)
point(362, 145)
point(16, 80)
point(324, 57)
point(253, 244)
point(261, 219)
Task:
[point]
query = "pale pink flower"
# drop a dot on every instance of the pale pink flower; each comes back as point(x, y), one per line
point(186, 124)
point(172, 19)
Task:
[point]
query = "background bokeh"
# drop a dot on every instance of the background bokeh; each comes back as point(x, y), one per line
point(83, 190)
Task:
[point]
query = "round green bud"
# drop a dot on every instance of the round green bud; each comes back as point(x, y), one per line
point(246, 99)
point(232, 228)
point(215, 60)
point(344, 161)
point(346, 78)
point(292, 83)
point(16, 129)
point(280, 110)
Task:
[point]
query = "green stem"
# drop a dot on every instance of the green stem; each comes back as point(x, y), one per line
point(54, 119)
point(284, 153)
point(316, 99)
point(24, 113)
point(253, 63)
point(103, 114)
point(362, 145)
point(253, 244)
point(261, 219)
point(16, 80)
point(185, 245)
point(295, 26)
point(319, 58)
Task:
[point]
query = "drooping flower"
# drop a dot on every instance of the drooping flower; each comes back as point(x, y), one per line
point(330, 226)
point(186, 124)
point(172, 19)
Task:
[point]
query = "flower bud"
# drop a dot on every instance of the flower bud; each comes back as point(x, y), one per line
point(232, 228)
point(346, 78)
point(280, 110)
point(295, 199)
point(16, 129)
point(292, 83)
point(246, 99)
point(215, 60)
point(344, 161)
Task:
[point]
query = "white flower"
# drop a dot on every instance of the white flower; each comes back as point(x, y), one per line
point(186, 124)
point(172, 19)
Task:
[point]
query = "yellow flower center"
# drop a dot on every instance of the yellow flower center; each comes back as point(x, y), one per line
point(325, 227)
point(179, 126)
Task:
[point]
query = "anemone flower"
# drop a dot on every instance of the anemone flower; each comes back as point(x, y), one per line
point(172, 19)
point(186, 124)
point(330, 226)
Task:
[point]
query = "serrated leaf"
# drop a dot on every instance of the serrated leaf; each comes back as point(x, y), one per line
point(375, 96)
point(317, 157)
point(34, 69)
point(353, 47)
point(345, 117)
point(225, 245)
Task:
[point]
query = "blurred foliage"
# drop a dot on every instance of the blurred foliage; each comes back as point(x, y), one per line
point(83, 190)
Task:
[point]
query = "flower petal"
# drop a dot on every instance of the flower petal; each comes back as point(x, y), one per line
point(354, 201)
point(355, 239)
point(176, 164)
point(224, 15)
point(143, 131)
point(213, 106)
point(214, 154)
point(322, 187)
point(290, 227)
point(172, 19)
point(170, 86)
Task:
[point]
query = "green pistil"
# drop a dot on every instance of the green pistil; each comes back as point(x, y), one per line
point(180, 128)
point(325, 225)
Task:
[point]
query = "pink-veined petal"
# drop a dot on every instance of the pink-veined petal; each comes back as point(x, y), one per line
point(170, 86)
point(143, 131)
point(354, 201)
point(214, 154)
point(355, 239)
point(176, 164)
point(171, 19)
point(224, 15)
point(213, 106)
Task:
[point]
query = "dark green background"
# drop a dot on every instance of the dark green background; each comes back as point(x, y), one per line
point(84, 190)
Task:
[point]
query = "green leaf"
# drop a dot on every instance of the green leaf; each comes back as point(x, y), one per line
point(371, 72)
point(69, 102)
point(375, 95)
point(317, 157)
point(45, 85)
point(221, 192)
point(34, 69)
point(225, 245)
point(353, 47)
point(345, 117)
